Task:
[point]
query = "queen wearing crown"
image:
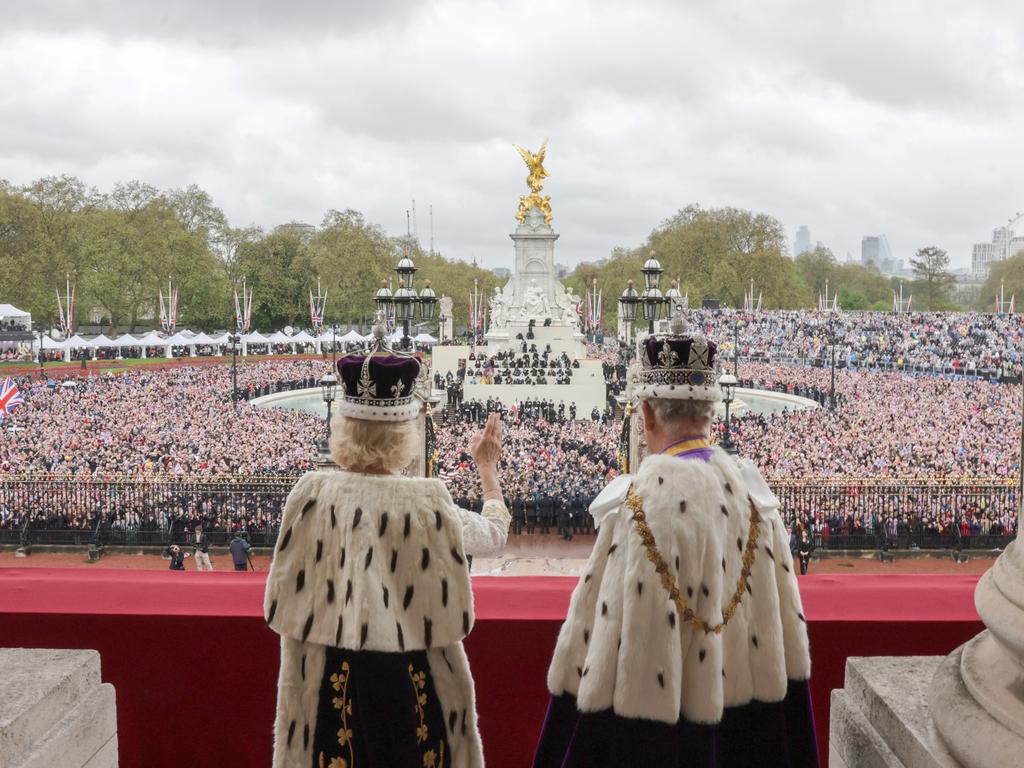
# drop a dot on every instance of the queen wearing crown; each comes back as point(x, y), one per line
point(685, 643)
point(370, 590)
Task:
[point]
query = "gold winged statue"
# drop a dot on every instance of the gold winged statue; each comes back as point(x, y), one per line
point(535, 181)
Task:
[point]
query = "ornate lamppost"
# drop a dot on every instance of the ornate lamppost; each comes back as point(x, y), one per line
point(233, 339)
point(328, 387)
point(728, 384)
point(652, 299)
point(629, 301)
point(405, 300)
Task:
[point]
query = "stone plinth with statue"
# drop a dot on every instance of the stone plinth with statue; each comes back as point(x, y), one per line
point(533, 308)
point(972, 713)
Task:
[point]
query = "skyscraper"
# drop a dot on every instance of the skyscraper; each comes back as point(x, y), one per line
point(875, 252)
point(802, 244)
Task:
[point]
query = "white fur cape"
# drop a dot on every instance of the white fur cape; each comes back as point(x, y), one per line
point(374, 562)
point(624, 647)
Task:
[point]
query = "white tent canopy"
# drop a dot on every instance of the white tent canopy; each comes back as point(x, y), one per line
point(178, 340)
point(77, 342)
point(424, 338)
point(351, 337)
point(126, 340)
point(279, 338)
point(101, 341)
point(220, 338)
point(302, 338)
point(151, 339)
point(202, 338)
point(8, 311)
point(254, 338)
point(49, 343)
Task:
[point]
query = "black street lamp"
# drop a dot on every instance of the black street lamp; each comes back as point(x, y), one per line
point(328, 387)
point(405, 300)
point(629, 301)
point(832, 340)
point(234, 338)
point(652, 298)
point(728, 384)
point(41, 329)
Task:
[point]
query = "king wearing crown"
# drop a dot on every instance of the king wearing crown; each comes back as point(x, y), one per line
point(685, 643)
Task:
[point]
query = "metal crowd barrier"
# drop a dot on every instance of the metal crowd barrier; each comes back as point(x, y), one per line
point(156, 510)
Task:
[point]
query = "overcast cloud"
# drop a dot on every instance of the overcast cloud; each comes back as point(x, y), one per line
point(856, 118)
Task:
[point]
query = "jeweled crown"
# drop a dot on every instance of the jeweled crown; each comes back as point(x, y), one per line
point(678, 364)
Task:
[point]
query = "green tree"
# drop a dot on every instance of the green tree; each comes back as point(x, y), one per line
point(1006, 278)
point(931, 267)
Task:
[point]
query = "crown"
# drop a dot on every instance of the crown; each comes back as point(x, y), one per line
point(678, 365)
point(379, 385)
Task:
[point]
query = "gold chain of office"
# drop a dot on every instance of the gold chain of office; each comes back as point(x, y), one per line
point(635, 504)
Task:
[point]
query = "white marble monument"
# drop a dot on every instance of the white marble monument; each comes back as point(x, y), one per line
point(534, 308)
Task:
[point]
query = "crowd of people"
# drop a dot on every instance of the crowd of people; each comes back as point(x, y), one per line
point(180, 422)
point(960, 343)
point(526, 367)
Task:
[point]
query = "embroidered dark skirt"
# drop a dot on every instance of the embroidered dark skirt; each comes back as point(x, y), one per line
point(378, 710)
point(779, 735)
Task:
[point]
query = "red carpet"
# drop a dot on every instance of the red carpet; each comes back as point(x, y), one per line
point(195, 668)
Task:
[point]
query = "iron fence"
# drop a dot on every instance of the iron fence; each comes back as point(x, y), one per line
point(155, 510)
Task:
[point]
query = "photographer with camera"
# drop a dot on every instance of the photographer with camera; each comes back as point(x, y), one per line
point(240, 551)
point(176, 556)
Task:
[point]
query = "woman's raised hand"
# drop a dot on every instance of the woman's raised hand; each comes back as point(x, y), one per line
point(485, 447)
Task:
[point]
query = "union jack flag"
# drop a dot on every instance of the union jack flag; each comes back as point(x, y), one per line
point(10, 398)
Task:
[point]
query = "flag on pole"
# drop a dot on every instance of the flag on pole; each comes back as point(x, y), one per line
point(10, 398)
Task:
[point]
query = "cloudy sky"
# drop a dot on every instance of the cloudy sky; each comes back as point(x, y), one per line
point(851, 117)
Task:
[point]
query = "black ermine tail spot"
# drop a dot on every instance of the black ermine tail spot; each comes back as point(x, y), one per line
point(362, 634)
point(334, 519)
point(337, 633)
point(273, 610)
point(457, 556)
point(300, 581)
point(358, 517)
point(284, 540)
point(306, 629)
point(394, 559)
point(307, 506)
point(444, 592)
point(437, 519)
point(425, 560)
point(427, 631)
point(330, 590)
point(408, 523)
point(319, 549)
point(383, 524)
point(465, 622)
point(369, 558)
point(408, 597)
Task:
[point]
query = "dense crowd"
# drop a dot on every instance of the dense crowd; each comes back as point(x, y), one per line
point(962, 343)
point(552, 465)
point(179, 421)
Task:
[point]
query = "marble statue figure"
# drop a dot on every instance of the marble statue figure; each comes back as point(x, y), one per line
point(535, 303)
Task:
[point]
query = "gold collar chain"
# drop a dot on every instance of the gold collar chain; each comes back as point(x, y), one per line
point(635, 504)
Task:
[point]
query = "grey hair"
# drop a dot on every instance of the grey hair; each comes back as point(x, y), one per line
point(670, 411)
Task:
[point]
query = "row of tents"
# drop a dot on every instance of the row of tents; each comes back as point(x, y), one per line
point(220, 340)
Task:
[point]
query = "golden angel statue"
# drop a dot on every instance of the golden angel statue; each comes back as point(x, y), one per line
point(536, 165)
point(535, 180)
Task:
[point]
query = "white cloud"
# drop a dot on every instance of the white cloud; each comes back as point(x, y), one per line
point(853, 118)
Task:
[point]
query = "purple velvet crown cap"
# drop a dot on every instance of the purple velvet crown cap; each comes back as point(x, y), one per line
point(386, 377)
point(656, 357)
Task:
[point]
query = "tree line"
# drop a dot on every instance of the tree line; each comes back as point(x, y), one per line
point(120, 247)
